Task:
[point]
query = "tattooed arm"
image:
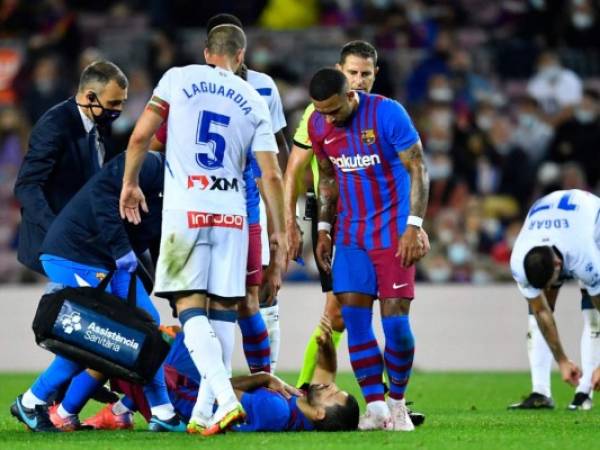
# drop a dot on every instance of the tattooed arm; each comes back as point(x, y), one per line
point(328, 197)
point(545, 319)
point(414, 244)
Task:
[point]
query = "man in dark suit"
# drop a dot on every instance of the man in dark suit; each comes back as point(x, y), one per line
point(67, 146)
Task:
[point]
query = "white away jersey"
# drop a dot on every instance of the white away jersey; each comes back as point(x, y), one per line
point(214, 117)
point(567, 220)
point(267, 89)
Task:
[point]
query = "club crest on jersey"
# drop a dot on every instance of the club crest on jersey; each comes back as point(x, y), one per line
point(100, 276)
point(368, 136)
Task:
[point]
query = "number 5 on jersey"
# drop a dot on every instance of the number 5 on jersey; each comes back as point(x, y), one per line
point(213, 143)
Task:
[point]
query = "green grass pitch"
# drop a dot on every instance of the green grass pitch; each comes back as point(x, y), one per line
point(464, 411)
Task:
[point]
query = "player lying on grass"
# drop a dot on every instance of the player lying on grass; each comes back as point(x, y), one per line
point(559, 238)
point(270, 404)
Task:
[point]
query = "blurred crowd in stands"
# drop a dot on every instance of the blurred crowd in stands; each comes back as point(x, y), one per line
point(505, 94)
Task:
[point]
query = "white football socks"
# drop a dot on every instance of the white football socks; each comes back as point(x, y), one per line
point(30, 401)
point(62, 412)
point(163, 412)
point(205, 350)
point(119, 408)
point(590, 349)
point(540, 359)
point(270, 315)
point(225, 331)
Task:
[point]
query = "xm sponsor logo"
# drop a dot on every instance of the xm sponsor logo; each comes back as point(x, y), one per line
point(212, 183)
point(355, 162)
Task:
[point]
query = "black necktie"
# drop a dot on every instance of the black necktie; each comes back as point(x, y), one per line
point(97, 147)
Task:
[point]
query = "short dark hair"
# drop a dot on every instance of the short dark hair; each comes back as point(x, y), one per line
point(539, 266)
point(225, 40)
point(340, 417)
point(102, 72)
point(592, 93)
point(358, 48)
point(222, 19)
point(327, 83)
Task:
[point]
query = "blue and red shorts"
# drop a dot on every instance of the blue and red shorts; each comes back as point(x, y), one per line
point(373, 272)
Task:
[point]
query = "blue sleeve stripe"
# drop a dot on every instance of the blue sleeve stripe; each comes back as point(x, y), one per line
point(265, 91)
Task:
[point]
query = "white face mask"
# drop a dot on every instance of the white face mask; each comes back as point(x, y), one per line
point(439, 274)
point(484, 122)
point(445, 236)
point(585, 116)
point(582, 20)
point(438, 145)
point(441, 94)
point(442, 119)
point(459, 254)
point(550, 72)
point(439, 171)
point(526, 120)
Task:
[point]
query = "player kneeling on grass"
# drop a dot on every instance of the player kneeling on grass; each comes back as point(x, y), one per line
point(560, 238)
point(86, 241)
point(270, 404)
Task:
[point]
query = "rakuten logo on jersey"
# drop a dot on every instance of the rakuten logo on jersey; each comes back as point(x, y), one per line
point(356, 162)
point(204, 220)
point(212, 183)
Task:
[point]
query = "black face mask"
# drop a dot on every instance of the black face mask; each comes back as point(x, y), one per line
point(106, 117)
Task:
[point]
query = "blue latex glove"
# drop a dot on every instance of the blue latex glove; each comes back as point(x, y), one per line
point(127, 262)
point(299, 260)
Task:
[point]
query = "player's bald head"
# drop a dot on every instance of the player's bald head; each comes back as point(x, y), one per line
point(225, 40)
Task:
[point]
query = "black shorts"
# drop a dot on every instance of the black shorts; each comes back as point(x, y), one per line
point(325, 278)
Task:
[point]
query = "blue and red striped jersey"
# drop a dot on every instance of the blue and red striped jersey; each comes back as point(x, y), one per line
point(374, 186)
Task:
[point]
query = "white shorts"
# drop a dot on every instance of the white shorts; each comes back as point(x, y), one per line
point(202, 252)
point(264, 235)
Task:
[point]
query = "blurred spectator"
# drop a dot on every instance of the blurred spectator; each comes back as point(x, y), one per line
point(138, 94)
point(533, 134)
point(501, 251)
point(577, 140)
point(437, 268)
point(11, 60)
point(46, 88)
point(164, 53)
point(289, 14)
point(467, 85)
point(56, 30)
point(515, 170)
point(582, 27)
point(13, 136)
point(572, 176)
point(556, 88)
point(435, 63)
point(445, 188)
point(422, 28)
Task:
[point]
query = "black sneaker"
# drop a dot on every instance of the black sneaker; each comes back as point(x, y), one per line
point(581, 401)
point(534, 401)
point(36, 419)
